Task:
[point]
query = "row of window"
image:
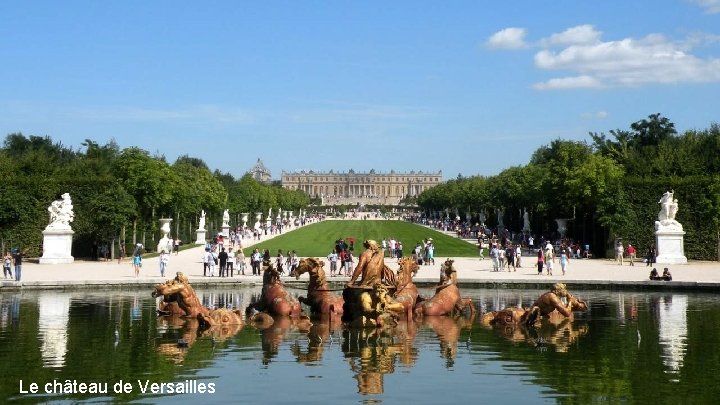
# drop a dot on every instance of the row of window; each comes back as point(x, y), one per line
point(367, 179)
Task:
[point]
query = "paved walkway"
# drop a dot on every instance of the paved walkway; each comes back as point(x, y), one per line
point(471, 271)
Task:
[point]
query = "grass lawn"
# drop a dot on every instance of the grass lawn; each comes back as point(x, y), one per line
point(319, 239)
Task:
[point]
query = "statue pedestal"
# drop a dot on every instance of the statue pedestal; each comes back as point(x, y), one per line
point(670, 247)
point(200, 239)
point(164, 244)
point(57, 246)
point(226, 230)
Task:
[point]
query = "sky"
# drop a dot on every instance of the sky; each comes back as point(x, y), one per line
point(462, 87)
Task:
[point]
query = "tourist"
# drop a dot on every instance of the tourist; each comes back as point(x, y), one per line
point(549, 258)
point(399, 249)
point(121, 251)
point(654, 274)
point(176, 246)
point(430, 252)
point(650, 255)
point(333, 258)
point(501, 258)
point(280, 262)
point(481, 247)
point(137, 263)
point(510, 257)
point(666, 275)
point(211, 262)
point(255, 260)
point(231, 261)
point(494, 256)
point(7, 265)
point(295, 261)
point(632, 253)
point(266, 256)
point(164, 259)
point(619, 253)
point(518, 255)
point(540, 261)
point(240, 260)
point(349, 263)
point(223, 258)
point(564, 257)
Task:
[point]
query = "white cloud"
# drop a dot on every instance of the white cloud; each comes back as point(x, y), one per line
point(597, 115)
point(563, 83)
point(710, 6)
point(581, 34)
point(508, 38)
point(626, 63)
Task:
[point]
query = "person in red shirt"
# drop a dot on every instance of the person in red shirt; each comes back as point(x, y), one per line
point(632, 254)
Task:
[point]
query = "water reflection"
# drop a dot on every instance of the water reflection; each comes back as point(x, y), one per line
point(598, 350)
point(672, 314)
point(54, 312)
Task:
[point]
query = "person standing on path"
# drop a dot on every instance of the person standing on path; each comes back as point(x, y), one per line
point(650, 255)
point(632, 254)
point(137, 263)
point(619, 253)
point(7, 265)
point(164, 259)
point(223, 258)
point(18, 256)
point(540, 261)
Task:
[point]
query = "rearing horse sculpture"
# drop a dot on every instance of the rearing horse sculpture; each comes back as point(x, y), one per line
point(549, 305)
point(275, 300)
point(319, 297)
point(406, 292)
point(179, 291)
point(447, 297)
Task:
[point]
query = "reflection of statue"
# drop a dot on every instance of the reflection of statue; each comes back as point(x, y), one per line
point(668, 210)
point(201, 225)
point(179, 290)
point(61, 213)
point(226, 218)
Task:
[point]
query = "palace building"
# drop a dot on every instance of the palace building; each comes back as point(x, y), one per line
point(260, 173)
point(365, 188)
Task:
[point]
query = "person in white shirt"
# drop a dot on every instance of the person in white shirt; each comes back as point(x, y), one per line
point(333, 258)
point(231, 262)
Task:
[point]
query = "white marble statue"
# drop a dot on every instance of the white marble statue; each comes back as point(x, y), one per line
point(202, 220)
point(526, 221)
point(61, 213)
point(226, 218)
point(668, 210)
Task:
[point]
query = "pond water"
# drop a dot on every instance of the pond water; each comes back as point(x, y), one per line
point(630, 347)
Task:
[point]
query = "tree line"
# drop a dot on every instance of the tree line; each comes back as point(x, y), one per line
point(607, 188)
point(119, 194)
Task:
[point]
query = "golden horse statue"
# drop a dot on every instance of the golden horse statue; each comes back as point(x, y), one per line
point(275, 300)
point(447, 299)
point(406, 292)
point(549, 306)
point(179, 291)
point(320, 299)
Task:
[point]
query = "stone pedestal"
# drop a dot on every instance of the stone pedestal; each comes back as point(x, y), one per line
point(226, 230)
point(670, 247)
point(57, 246)
point(200, 239)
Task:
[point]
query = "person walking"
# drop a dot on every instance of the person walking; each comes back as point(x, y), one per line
point(349, 263)
point(164, 259)
point(632, 254)
point(206, 257)
point(333, 258)
point(231, 261)
point(564, 257)
point(619, 253)
point(7, 265)
point(255, 260)
point(223, 258)
point(650, 255)
point(280, 262)
point(540, 261)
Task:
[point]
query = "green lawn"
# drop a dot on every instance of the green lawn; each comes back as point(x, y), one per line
point(319, 239)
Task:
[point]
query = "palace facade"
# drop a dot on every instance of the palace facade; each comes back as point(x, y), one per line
point(352, 187)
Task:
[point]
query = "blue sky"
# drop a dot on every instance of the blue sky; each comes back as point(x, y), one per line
point(469, 87)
